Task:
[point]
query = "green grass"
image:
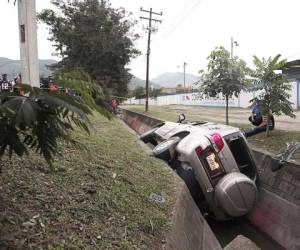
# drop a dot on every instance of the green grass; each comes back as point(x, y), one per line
point(273, 143)
point(96, 198)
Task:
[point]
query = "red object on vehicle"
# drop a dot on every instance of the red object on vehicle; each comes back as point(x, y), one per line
point(218, 141)
point(199, 150)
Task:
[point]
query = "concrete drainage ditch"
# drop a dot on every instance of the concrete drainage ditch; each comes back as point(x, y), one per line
point(274, 223)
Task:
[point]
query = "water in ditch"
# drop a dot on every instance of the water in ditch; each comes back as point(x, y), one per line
point(226, 231)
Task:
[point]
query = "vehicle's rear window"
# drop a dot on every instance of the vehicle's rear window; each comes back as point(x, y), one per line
point(240, 152)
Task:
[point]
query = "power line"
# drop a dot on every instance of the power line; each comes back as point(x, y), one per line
point(179, 22)
point(166, 34)
point(295, 54)
point(185, 16)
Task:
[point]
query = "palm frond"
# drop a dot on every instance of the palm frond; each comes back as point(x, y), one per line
point(41, 119)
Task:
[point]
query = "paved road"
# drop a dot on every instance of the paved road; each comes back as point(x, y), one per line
point(236, 115)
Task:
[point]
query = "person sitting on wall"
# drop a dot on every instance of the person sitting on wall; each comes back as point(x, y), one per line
point(263, 126)
point(256, 117)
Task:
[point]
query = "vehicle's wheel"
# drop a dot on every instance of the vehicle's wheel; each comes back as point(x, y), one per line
point(149, 135)
point(163, 149)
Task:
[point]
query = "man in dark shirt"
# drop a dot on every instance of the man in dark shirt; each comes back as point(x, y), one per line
point(263, 125)
point(256, 117)
point(5, 84)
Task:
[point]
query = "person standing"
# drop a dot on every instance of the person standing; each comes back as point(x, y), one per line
point(114, 104)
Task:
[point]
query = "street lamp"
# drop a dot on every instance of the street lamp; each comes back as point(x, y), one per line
point(184, 65)
point(233, 43)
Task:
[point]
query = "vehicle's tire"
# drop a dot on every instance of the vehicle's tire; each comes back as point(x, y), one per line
point(149, 135)
point(163, 149)
point(236, 194)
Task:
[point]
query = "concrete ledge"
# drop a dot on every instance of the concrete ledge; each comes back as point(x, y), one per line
point(189, 230)
point(139, 122)
point(241, 242)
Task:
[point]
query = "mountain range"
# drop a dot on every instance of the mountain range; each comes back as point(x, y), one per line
point(166, 80)
point(13, 67)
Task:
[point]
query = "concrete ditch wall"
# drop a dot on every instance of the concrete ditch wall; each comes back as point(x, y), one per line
point(189, 230)
point(285, 182)
point(138, 122)
point(277, 212)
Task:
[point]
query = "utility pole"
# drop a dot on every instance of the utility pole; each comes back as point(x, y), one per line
point(28, 42)
point(150, 19)
point(184, 64)
point(234, 43)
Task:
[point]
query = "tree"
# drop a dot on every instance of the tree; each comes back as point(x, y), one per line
point(274, 89)
point(155, 92)
point(224, 75)
point(94, 37)
point(139, 92)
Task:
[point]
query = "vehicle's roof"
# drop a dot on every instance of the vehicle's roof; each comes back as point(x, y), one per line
point(172, 128)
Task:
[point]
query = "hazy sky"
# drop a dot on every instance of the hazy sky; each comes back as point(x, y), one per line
point(190, 29)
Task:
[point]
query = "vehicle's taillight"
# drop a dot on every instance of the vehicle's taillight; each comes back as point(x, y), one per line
point(199, 150)
point(217, 141)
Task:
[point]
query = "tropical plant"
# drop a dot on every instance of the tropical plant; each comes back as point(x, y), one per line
point(274, 89)
point(92, 36)
point(155, 92)
point(39, 119)
point(224, 75)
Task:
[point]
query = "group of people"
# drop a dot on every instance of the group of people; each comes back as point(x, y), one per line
point(6, 85)
point(260, 120)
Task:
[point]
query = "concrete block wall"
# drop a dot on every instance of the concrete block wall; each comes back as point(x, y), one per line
point(284, 182)
point(277, 211)
point(243, 101)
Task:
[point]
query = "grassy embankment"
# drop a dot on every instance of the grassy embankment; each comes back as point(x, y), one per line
point(97, 198)
point(273, 143)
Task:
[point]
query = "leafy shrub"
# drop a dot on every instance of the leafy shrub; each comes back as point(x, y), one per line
point(40, 118)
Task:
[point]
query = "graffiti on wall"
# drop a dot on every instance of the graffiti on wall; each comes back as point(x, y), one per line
point(202, 99)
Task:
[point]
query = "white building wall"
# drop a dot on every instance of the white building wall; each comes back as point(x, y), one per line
point(293, 93)
point(195, 99)
point(243, 101)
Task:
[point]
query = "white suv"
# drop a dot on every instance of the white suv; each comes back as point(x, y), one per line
point(220, 157)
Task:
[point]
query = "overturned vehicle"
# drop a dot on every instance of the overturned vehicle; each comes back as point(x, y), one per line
point(220, 158)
